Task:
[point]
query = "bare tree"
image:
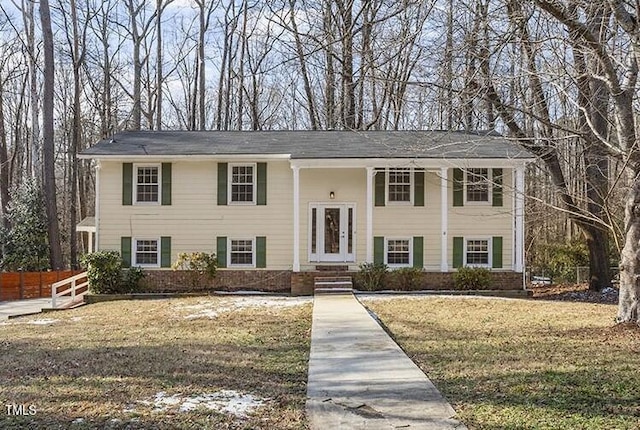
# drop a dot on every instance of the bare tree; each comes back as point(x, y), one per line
point(48, 150)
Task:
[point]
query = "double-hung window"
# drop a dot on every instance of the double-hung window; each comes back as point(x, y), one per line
point(477, 184)
point(398, 252)
point(477, 253)
point(146, 252)
point(242, 252)
point(399, 188)
point(147, 185)
point(242, 183)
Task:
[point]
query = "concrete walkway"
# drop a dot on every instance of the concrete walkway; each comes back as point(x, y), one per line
point(359, 378)
point(22, 307)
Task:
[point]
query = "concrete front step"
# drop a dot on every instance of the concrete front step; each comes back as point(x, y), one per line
point(332, 284)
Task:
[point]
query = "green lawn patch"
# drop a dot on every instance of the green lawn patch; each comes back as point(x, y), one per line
point(194, 363)
point(516, 364)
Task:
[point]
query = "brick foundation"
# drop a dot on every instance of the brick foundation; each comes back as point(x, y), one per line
point(172, 281)
point(297, 284)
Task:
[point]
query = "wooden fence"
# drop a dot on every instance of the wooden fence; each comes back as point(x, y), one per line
point(30, 285)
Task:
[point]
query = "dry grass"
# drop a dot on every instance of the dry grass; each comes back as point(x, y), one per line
point(508, 364)
point(100, 360)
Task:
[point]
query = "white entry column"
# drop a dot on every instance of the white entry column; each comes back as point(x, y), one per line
point(370, 174)
point(518, 265)
point(444, 219)
point(296, 218)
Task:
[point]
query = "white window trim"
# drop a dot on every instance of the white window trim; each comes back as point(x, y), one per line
point(135, 184)
point(386, 252)
point(489, 200)
point(388, 183)
point(489, 264)
point(230, 200)
point(253, 252)
point(134, 254)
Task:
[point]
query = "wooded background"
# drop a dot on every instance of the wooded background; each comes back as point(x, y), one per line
point(533, 70)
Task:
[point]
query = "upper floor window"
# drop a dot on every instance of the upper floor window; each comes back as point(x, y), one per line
point(477, 184)
point(147, 184)
point(399, 185)
point(242, 183)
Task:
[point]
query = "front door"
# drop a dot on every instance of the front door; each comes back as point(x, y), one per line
point(332, 232)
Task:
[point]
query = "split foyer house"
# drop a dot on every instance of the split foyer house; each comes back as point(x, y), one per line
point(294, 202)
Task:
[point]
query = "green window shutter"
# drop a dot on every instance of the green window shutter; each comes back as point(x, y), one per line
point(458, 187)
point(127, 184)
point(222, 183)
point(458, 250)
point(261, 195)
point(165, 251)
point(497, 252)
point(221, 251)
point(166, 184)
point(125, 251)
point(378, 250)
point(379, 187)
point(497, 187)
point(261, 252)
point(418, 188)
point(418, 252)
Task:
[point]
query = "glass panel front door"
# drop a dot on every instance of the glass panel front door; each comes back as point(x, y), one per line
point(332, 232)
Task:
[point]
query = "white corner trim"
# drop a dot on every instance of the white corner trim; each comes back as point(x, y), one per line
point(519, 220)
point(296, 219)
point(97, 206)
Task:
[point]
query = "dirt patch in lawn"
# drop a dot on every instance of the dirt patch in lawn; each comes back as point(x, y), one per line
point(142, 364)
point(574, 293)
point(523, 364)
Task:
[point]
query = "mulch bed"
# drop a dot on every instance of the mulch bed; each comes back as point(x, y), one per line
point(574, 293)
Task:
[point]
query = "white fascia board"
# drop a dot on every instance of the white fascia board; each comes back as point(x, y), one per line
point(198, 157)
point(425, 163)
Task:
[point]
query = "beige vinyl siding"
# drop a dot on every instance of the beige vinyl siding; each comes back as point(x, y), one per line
point(194, 220)
point(404, 221)
point(484, 221)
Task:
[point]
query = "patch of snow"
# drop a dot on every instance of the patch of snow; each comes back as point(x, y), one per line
point(43, 321)
point(224, 401)
point(77, 421)
point(274, 302)
point(213, 308)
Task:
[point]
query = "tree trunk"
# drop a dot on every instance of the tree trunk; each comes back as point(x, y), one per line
point(629, 261)
point(4, 164)
point(159, 76)
point(55, 249)
point(303, 68)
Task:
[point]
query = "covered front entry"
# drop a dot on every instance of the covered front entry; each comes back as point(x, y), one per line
point(332, 235)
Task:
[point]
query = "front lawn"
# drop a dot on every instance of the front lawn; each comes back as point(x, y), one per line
point(217, 363)
point(515, 364)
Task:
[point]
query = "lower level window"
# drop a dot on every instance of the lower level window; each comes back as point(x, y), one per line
point(477, 252)
point(241, 252)
point(147, 253)
point(398, 253)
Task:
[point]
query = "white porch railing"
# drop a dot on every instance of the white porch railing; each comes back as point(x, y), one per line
point(78, 286)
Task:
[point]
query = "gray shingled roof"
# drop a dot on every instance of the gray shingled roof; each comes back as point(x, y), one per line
point(309, 144)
